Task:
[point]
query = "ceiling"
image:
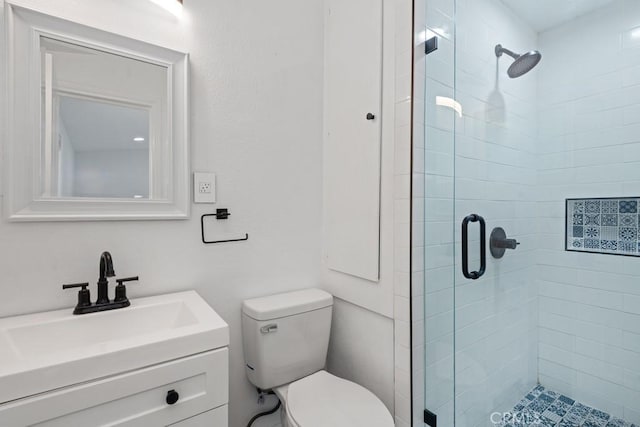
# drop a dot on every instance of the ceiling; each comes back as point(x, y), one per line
point(100, 126)
point(546, 14)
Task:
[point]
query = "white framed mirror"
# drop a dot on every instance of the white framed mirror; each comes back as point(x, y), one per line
point(98, 124)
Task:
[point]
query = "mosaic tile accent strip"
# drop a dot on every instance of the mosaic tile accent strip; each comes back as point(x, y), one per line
point(542, 407)
point(608, 226)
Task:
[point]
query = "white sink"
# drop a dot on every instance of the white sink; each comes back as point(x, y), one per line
point(44, 351)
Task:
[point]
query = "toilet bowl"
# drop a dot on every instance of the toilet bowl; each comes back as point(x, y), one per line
point(324, 400)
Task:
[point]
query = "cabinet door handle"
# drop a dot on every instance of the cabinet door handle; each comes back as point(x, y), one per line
point(172, 397)
point(474, 275)
point(370, 116)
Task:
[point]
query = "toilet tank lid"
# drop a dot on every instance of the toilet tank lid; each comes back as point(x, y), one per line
point(286, 304)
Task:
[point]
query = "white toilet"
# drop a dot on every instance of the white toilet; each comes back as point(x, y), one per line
point(286, 338)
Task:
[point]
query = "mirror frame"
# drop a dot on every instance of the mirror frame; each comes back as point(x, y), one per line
point(23, 199)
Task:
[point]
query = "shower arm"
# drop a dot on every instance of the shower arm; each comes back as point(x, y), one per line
point(500, 50)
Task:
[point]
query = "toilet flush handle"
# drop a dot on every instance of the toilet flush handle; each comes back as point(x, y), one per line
point(267, 329)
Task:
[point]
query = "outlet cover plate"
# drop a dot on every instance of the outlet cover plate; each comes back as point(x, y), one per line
point(204, 187)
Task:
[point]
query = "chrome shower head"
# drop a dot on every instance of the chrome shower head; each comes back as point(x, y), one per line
point(522, 64)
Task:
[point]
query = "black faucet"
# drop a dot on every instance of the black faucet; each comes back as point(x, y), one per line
point(106, 270)
point(102, 303)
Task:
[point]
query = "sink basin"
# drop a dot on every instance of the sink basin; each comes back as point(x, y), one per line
point(74, 332)
point(45, 351)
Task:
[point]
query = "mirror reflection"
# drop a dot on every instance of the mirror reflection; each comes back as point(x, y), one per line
point(102, 132)
point(103, 149)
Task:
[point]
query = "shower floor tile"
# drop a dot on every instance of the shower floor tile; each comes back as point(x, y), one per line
point(545, 408)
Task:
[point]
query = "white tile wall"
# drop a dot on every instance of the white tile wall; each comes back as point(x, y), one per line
point(589, 146)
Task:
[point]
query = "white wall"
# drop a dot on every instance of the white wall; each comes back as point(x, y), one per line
point(489, 154)
point(256, 120)
point(99, 74)
point(110, 173)
point(359, 348)
point(589, 144)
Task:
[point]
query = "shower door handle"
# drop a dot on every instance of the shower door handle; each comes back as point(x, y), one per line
point(474, 275)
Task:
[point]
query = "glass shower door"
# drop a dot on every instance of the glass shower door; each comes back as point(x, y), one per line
point(480, 298)
point(480, 207)
point(435, 146)
point(495, 132)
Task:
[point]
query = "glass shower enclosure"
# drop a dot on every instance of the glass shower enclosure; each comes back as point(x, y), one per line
point(526, 213)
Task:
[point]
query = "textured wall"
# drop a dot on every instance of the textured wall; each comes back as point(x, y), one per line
point(256, 120)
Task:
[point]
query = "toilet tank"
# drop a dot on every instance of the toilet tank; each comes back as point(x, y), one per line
point(286, 336)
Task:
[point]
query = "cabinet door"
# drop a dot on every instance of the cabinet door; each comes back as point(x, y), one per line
point(214, 418)
point(352, 144)
point(137, 398)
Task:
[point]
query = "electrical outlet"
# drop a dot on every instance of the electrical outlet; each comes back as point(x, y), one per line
point(204, 187)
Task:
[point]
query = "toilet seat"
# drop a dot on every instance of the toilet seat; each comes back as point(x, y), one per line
point(324, 400)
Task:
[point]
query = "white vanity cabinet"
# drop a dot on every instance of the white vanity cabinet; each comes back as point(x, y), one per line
point(166, 364)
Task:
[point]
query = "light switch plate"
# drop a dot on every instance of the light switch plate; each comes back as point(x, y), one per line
point(204, 187)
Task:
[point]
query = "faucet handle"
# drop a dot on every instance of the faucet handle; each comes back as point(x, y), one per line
point(127, 279)
point(84, 297)
point(121, 290)
point(76, 285)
